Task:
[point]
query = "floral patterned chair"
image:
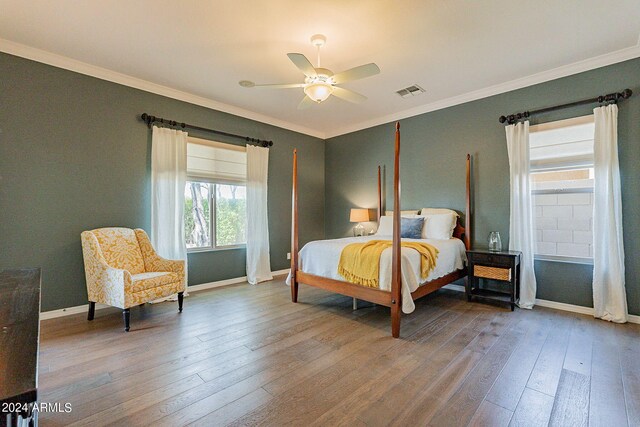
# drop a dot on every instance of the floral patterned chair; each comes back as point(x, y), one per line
point(123, 270)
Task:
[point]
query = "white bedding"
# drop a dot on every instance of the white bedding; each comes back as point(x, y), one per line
point(321, 258)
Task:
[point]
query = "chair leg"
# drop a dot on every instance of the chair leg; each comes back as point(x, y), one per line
point(92, 310)
point(126, 314)
point(180, 300)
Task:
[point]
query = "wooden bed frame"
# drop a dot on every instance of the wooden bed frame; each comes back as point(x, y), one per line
point(393, 298)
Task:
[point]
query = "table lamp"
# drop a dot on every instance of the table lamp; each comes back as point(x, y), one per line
point(359, 216)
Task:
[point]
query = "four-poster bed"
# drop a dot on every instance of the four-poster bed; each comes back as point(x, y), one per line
point(393, 296)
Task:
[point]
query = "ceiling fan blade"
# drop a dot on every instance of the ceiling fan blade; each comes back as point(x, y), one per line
point(282, 86)
point(306, 103)
point(356, 73)
point(303, 64)
point(348, 95)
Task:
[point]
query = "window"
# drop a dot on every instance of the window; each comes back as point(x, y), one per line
point(561, 156)
point(215, 195)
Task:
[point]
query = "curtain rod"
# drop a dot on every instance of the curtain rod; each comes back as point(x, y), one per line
point(611, 97)
point(149, 120)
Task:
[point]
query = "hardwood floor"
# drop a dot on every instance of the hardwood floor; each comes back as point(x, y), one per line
point(244, 355)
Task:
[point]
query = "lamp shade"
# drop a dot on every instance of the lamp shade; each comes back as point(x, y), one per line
point(359, 215)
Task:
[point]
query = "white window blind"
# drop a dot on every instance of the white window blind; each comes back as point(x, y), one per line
point(564, 144)
point(216, 162)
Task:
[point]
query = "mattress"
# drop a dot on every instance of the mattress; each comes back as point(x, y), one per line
point(321, 258)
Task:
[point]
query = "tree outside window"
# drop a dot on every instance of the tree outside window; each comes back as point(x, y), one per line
point(215, 215)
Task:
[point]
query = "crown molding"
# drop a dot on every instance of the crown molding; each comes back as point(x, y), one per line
point(60, 61)
point(544, 76)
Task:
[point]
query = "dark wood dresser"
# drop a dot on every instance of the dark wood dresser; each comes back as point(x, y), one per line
point(19, 337)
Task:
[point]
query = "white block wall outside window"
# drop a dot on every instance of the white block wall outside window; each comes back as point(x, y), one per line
point(566, 230)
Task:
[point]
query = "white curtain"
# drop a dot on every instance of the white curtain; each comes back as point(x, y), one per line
point(168, 180)
point(609, 297)
point(520, 217)
point(258, 263)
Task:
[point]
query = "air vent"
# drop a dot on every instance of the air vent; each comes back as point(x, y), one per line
point(410, 91)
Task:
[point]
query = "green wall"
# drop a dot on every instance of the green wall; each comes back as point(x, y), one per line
point(74, 156)
point(433, 160)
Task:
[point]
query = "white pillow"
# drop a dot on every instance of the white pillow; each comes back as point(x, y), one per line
point(437, 211)
point(385, 228)
point(403, 213)
point(439, 226)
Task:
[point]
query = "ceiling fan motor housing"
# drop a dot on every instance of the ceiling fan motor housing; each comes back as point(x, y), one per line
point(318, 40)
point(322, 75)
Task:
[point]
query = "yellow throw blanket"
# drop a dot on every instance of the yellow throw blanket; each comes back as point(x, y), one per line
point(360, 262)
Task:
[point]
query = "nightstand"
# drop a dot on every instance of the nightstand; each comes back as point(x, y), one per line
point(502, 266)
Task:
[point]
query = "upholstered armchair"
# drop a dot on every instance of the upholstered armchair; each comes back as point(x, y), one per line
point(123, 270)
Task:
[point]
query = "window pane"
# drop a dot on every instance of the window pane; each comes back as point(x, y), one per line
point(197, 215)
point(562, 185)
point(571, 174)
point(564, 218)
point(231, 205)
point(563, 180)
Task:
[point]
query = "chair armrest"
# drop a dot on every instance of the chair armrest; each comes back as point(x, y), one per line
point(153, 261)
point(105, 284)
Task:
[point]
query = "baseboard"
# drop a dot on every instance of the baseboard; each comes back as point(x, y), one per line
point(565, 307)
point(280, 272)
point(631, 318)
point(52, 314)
point(555, 305)
point(453, 287)
point(227, 282)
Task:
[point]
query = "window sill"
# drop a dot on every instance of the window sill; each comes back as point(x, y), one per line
point(218, 249)
point(564, 259)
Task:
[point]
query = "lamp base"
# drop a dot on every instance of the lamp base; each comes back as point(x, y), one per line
point(358, 230)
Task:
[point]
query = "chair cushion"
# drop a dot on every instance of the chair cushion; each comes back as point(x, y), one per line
point(143, 281)
point(120, 248)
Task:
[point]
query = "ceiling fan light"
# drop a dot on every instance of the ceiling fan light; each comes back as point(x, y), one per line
point(318, 91)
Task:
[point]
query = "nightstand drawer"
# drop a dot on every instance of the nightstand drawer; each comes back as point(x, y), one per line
point(499, 260)
point(495, 273)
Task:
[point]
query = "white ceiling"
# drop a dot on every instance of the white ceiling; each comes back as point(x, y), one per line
point(456, 49)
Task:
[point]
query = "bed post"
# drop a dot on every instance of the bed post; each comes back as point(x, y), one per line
point(396, 280)
point(294, 229)
point(467, 213)
point(379, 195)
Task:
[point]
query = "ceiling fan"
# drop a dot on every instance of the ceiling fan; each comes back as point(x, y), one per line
point(320, 83)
